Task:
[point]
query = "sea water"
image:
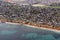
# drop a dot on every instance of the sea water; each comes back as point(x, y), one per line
point(20, 32)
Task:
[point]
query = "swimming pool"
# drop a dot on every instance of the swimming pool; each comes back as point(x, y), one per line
point(20, 32)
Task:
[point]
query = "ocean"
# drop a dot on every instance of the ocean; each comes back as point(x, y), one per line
point(21, 32)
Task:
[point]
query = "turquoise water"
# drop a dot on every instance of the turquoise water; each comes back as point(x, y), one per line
point(6, 32)
point(20, 32)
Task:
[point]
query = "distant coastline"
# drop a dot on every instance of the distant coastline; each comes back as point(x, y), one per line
point(45, 27)
point(54, 30)
point(46, 17)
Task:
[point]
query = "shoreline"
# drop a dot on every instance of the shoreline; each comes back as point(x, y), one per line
point(30, 24)
point(54, 30)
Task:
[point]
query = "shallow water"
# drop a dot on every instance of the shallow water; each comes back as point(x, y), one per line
point(20, 32)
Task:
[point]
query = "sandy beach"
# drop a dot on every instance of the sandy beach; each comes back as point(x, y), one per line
point(12, 23)
point(54, 30)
